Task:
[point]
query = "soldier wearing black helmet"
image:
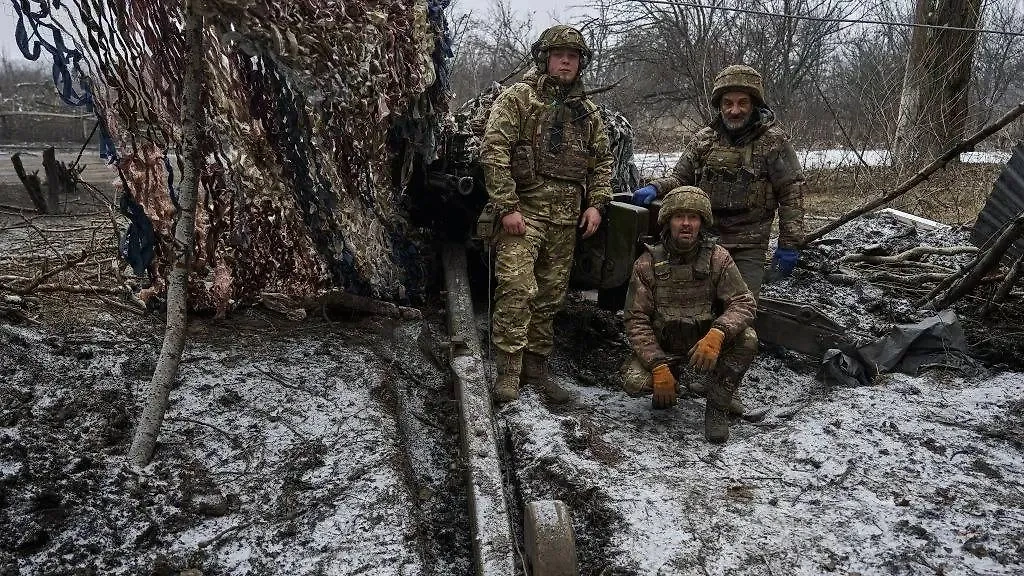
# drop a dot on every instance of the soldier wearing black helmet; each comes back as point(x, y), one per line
point(749, 169)
point(688, 304)
point(547, 167)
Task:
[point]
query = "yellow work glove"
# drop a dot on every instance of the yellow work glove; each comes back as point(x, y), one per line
point(704, 354)
point(664, 387)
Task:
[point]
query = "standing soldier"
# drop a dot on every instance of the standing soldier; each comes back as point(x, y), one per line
point(687, 303)
point(545, 158)
point(748, 167)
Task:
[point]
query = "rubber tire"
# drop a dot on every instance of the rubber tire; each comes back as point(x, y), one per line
point(549, 539)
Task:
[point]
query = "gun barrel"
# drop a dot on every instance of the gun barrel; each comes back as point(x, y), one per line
point(461, 184)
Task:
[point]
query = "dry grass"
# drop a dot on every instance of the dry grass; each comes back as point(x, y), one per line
point(952, 196)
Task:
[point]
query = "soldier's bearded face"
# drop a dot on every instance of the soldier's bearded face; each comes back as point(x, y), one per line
point(736, 109)
point(685, 227)
point(563, 64)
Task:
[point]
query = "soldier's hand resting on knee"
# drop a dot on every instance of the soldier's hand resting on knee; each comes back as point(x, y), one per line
point(664, 387)
point(704, 354)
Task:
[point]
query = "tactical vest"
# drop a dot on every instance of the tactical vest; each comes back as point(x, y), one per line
point(683, 298)
point(534, 155)
point(736, 178)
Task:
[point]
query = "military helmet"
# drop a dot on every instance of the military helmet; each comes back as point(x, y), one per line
point(559, 36)
point(686, 198)
point(738, 78)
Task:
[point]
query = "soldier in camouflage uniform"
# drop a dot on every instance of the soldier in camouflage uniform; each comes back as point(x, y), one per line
point(688, 303)
point(545, 159)
point(748, 167)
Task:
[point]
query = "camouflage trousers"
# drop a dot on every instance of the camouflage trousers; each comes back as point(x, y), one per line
point(750, 262)
point(531, 276)
point(736, 357)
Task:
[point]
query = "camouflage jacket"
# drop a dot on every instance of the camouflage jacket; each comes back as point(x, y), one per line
point(775, 182)
point(730, 303)
point(544, 150)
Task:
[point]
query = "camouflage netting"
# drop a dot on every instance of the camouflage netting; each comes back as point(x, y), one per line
point(314, 112)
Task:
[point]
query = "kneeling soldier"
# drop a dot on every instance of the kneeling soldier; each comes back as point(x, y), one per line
point(687, 301)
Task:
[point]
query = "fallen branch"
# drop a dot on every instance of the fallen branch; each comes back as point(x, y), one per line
point(910, 279)
point(1004, 287)
point(910, 264)
point(921, 175)
point(16, 209)
point(235, 443)
point(909, 255)
point(69, 288)
point(982, 265)
point(217, 538)
point(69, 264)
point(341, 300)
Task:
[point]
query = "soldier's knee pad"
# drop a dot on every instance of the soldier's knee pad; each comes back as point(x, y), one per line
point(636, 379)
point(746, 342)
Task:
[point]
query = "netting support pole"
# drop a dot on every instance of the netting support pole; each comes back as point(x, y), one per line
point(166, 371)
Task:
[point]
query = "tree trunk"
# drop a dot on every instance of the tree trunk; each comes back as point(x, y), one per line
point(184, 239)
point(59, 182)
point(933, 103)
point(31, 183)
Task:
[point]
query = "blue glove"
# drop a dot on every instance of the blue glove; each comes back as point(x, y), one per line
point(645, 195)
point(785, 260)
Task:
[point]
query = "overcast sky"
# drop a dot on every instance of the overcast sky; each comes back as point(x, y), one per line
point(8, 18)
point(542, 10)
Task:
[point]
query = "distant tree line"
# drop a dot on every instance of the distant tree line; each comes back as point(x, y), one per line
point(823, 67)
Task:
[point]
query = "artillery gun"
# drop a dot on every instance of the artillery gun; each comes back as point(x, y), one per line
point(451, 199)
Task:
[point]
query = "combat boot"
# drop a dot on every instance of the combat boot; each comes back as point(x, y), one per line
point(716, 411)
point(535, 373)
point(699, 386)
point(506, 385)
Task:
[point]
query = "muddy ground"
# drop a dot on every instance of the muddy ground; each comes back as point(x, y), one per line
point(320, 448)
point(329, 446)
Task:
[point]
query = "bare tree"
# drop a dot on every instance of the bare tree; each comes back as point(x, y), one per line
point(998, 79)
point(933, 104)
point(489, 47)
point(166, 370)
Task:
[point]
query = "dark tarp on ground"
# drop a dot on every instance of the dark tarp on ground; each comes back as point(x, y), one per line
point(936, 342)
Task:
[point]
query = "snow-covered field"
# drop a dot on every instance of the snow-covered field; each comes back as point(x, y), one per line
point(910, 476)
point(657, 163)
